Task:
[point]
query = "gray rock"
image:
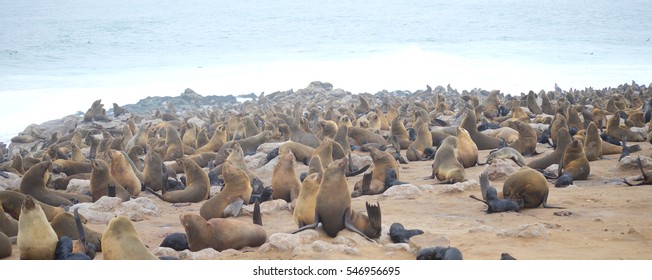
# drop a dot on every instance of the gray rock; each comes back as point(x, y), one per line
point(397, 247)
point(11, 184)
point(426, 240)
point(500, 169)
point(482, 228)
point(256, 161)
point(406, 191)
point(527, 231)
point(105, 208)
point(197, 122)
point(284, 241)
point(79, 186)
point(266, 207)
point(468, 185)
point(266, 148)
point(631, 163)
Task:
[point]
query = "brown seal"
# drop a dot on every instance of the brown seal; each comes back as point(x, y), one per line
point(101, 180)
point(197, 184)
point(446, 167)
point(592, 143)
point(363, 136)
point(484, 142)
point(315, 166)
point(304, 211)
point(384, 166)
point(467, 150)
point(563, 139)
point(285, 183)
point(64, 225)
point(173, 143)
point(334, 210)
point(36, 238)
point(398, 129)
point(122, 173)
point(154, 176)
point(417, 150)
point(575, 161)
point(342, 138)
point(215, 143)
point(189, 135)
point(220, 233)
point(8, 225)
point(237, 191)
point(121, 241)
point(12, 202)
point(615, 130)
point(5, 246)
point(70, 167)
point(532, 103)
point(250, 128)
point(527, 139)
point(34, 183)
point(558, 123)
point(528, 187)
point(328, 129)
point(301, 152)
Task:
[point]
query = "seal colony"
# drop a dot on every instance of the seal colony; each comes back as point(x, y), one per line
point(208, 163)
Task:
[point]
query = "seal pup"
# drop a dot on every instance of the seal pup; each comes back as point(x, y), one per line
point(446, 167)
point(440, 253)
point(101, 180)
point(334, 210)
point(197, 185)
point(237, 190)
point(222, 233)
point(36, 238)
point(304, 211)
point(121, 241)
point(528, 187)
point(398, 233)
point(177, 241)
point(490, 198)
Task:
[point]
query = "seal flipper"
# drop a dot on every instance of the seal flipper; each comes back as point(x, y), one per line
point(348, 225)
point(484, 185)
point(625, 151)
point(360, 171)
point(233, 209)
point(545, 203)
point(373, 212)
point(155, 193)
point(310, 226)
point(258, 217)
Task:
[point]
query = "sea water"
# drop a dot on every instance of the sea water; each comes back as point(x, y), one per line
point(57, 57)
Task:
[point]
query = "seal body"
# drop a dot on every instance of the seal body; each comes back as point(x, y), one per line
point(36, 238)
point(121, 241)
point(237, 186)
point(527, 186)
point(221, 234)
point(446, 167)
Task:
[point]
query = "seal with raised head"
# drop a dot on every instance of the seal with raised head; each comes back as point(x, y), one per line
point(101, 180)
point(467, 150)
point(122, 172)
point(446, 167)
point(484, 142)
point(12, 202)
point(285, 183)
point(385, 168)
point(197, 184)
point(592, 143)
point(421, 148)
point(644, 179)
point(121, 241)
point(398, 130)
point(155, 174)
point(563, 139)
point(34, 183)
point(334, 210)
point(237, 191)
point(575, 161)
point(528, 187)
point(36, 238)
point(304, 211)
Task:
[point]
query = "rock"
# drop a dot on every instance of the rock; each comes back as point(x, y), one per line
point(284, 241)
point(272, 206)
point(197, 122)
point(79, 186)
point(255, 161)
point(215, 190)
point(426, 240)
point(105, 208)
point(360, 161)
point(501, 169)
point(266, 148)
point(482, 228)
point(468, 185)
point(349, 238)
point(397, 247)
point(527, 231)
point(322, 246)
point(405, 191)
point(12, 183)
point(631, 163)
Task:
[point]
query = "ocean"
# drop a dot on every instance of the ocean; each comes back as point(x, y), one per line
point(57, 57)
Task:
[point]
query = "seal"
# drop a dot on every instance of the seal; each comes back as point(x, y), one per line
point(484, 142)
point(398, 130)
point(417, 150)
point(122, 172)
point(155, 174)
point(446, 167)
point(121, 241)
point(237, 190)
point(215, 143)
point(467, 150)
point(592, 143)
point(70, 167)
point(398, 233)
point(101, 180)
point(12, 203)
point(34, 183)
point(342, 138)
point(197, 184)
point(385, 169)
point(563, 139)
point(177, 241)
point(490, 198)
point(440, 253)
point(304, 211)
point(575, 161)
point(5, 246)
point(285, 183)
point(8, 225)
point(221, 233)
point(64, 224)
point(173, 143)
point(506, 153)
point(363, 136)
point(532, 103)
point(615, 130)
point(527, 139)
point(644, 179)
point(328, 129)
point(334, 210)
point(325, 151)
point(36, 238)
point(558, 123)
point(528, 187)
